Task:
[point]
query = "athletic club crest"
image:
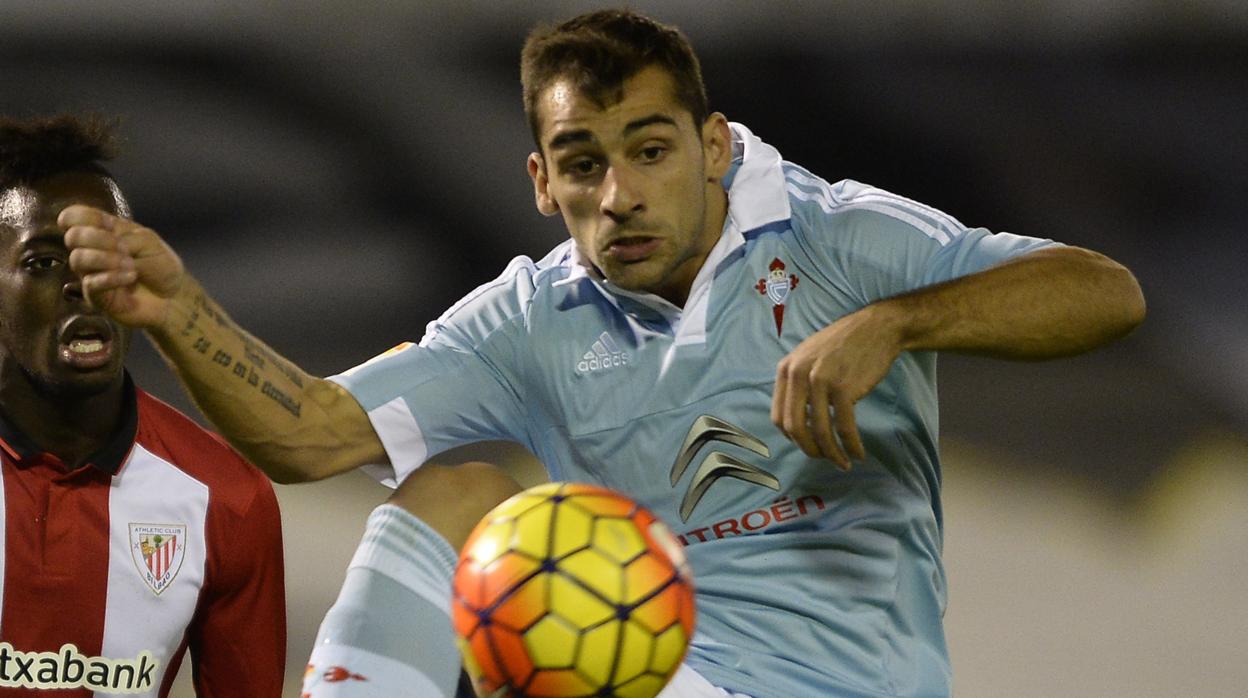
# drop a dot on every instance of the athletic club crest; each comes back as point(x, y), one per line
point(776, 286)
point(158, 551)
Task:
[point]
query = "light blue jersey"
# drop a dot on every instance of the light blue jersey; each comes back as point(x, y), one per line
point(810, 581)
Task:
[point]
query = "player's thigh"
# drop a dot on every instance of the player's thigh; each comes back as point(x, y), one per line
point(688, 683)
point(452, 498)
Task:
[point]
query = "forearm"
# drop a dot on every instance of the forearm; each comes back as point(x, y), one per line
point(293, 426)
point(1050, 303)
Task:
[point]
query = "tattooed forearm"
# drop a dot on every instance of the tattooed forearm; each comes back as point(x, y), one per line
point(287, 402)
point(292, 425)
point(256, 358)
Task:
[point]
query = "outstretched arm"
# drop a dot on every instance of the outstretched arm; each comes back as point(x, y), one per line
point(294, 426)
point(1049, 303)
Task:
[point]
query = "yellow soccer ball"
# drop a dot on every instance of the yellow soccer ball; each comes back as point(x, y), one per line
point(572, 590)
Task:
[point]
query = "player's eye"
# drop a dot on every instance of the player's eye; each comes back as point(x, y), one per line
point(42, 262)
point(653, 153)
point(581, 167)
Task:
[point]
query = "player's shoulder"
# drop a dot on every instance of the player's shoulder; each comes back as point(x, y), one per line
point(513, 292)
point(202, 455)
point(848, 206)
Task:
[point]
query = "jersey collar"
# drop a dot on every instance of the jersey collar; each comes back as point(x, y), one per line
point(757, 194)
point(108, 459)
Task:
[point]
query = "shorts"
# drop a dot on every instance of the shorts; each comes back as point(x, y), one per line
point(688, 683)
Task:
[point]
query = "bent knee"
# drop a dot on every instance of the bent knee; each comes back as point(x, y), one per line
point(453, 498)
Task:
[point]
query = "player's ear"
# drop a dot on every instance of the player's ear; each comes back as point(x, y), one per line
point(716, 146)
point(541, 186)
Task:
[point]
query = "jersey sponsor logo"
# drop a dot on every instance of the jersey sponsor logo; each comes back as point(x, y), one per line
point(158, 551)
point(603, 355)
point(717, 464)
point(777, 286)
point(780, 511)
point(69, 668)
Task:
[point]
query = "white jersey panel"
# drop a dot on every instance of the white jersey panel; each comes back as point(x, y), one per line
point(157, 559)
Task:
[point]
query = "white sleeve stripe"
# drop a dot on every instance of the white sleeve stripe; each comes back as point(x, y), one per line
point(935, 217)
point(508, 276)
point(403, 439)
point(813, 197)
point(940, 217)
point(821, 185)
point(921, 225)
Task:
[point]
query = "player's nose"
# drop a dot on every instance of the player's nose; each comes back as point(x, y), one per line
point(72, 289)
point(621, 194)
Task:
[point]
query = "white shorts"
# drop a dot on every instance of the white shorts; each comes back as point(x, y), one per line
point(688, 683)
point(338, 671)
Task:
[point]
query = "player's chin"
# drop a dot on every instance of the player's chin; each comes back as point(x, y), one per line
point(641, 277)
point(78, 384)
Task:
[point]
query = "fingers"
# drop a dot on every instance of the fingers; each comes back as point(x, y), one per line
point(90, 236)
point(100, 258)
point(847, 428)
point(821, 424)
point(99, 254)
point(101, 270)
point(816, 413)
point(789, 407)
point(79, 214)
point(779, 398)
point(87, 227)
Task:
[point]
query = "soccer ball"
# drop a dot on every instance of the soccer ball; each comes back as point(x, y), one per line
point(572, 590)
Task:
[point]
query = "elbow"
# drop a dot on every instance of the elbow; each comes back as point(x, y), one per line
point(1119, 303)
point(284, 476)
point(1132, 305)
point(286, 472)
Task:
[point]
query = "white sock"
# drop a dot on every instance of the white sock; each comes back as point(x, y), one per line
point(389, 633)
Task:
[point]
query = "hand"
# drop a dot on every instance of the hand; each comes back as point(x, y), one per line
point(822, 378)
point(126, 269)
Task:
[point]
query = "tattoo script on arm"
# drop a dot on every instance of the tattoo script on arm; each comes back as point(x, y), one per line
point(258, 366)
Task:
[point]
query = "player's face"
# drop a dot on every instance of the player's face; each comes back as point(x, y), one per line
point(637, 182)
point(49, 337)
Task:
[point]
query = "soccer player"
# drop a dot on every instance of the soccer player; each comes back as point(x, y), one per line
point(742, 346)
point(128, 534)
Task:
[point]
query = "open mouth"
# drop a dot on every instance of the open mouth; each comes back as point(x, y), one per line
point(632, 249)
point(86, 342)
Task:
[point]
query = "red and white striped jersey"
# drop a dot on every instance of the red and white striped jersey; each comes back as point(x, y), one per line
point(166, 539)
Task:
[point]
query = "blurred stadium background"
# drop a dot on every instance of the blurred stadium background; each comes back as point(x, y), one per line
point(337, 173)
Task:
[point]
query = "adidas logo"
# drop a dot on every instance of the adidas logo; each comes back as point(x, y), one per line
point(604, 354)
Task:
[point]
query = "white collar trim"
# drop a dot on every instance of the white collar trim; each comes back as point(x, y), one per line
point(759, 195)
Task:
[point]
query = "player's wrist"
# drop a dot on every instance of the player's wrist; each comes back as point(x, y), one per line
point(896, 323)
point(180, 310)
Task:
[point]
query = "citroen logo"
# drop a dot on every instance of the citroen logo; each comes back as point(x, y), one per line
point(717, 464)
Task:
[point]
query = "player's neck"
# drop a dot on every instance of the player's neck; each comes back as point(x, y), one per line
point(677, 292)
point(69, 427)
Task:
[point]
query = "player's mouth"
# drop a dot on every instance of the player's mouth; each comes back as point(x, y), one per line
point(86, 342)
point(633, 248)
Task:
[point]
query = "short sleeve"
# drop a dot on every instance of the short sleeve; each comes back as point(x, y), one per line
point(460, 384)
point(877, 245)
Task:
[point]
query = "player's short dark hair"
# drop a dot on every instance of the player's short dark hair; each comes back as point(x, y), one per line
point(599, 51)
point(36, 148)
